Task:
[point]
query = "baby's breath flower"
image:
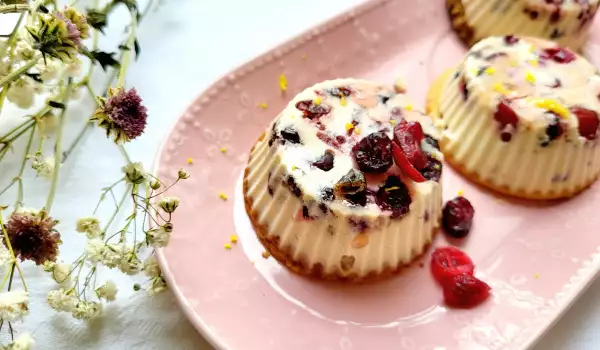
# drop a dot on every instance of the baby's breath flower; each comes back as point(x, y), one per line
point(182, 174)
point(62, 300)
point(157, 285)
point(22, 92)
point(33, 236)
point(107, 291)
point(130, 264)
point(151, 268)
point(113, 255)
point(122, 114)
point(134, 173)
point(23, 342)
point(13, 305)
point(23, 50)
point(5, 256)
point(169, 204)
point(159, 236)
point(86, 310)
point(44, 167)
point(95, 250)
point(48, 69)
point(90, 226)
point(61, 273)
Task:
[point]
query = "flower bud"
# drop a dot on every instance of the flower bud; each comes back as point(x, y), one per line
point(169, 204)
point(155, 185)
point(183, 174)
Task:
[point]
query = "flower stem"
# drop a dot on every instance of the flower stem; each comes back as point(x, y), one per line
point(14, 8)
point(12, 253)
point(19, 201)
point(75, 143)
point(5, 137)
point(117, 210)
point(16, 74)
point(127, 54)
point(58, 151)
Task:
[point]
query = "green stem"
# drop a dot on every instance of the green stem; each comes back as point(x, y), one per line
point(58, 151)
point(16, 74)
point(75, 143)
point(5, 137)
point(125, 154)
point(14, 8)
point(10, 249)
point(127, 54)
point(19, 201)
point(116, 211)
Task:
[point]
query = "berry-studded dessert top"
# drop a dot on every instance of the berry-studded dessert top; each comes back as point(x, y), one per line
point(564, 4)
point(532, 83)
point(339, 141)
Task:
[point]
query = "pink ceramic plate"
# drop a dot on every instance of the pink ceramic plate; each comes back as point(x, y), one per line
point(538, 258)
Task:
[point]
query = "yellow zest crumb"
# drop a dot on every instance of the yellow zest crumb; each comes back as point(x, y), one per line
point(233, 239)
point(474, 71)
point(283, 83)
point(227, 246)
point(294, 167)
point(530, 77)
point(223, 196)
point(514, 63)
point(190, 161)
point(552, 106)
point(266, 254)
point(304, 56)
point(531, 48)
point(461, 192)
point(393, 188)
point(357, 131)
point(223, 150)
point(349, 126)
point(318, 100)
point(499, 88)
point(490, 70)
point(534, 62)
point(292, 117)
point(536, 276)
point(252, 262)
point(343, 101)
point(262, 105)
point(393, 121)
point(409, 107)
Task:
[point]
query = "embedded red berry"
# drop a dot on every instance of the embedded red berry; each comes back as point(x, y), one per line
point(558, 55)
point(588, 122)
point(311, 110)
point(448, 262)
point(404, 165)
point(465, 291)
point(457, 217)
point(408, 136)
point(373, 154)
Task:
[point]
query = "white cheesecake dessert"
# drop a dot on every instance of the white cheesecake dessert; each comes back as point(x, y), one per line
point(566, 22)
point(323, 191)
point(520, 116)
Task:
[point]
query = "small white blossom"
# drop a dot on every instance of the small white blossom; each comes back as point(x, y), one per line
point(48, 123)
point(48, 69)
point(5, 256)
point(134, 173)
point(95, 250)
point(74, 67)
point(130, 264)
point(28, 211)
point(107, 291)
point(169, 204)
point(23, 50)
point(151, 268)
point(61, 273)
point(113, 255)
point(22, 93)
point(13, 305)
point(90, 226)
point(61, 300)
point(23, 342)
point(159, 236)
point(44, 167)
point(86, 310)
point(157, 285)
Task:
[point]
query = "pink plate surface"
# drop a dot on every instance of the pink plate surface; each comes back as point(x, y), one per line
point(537, 257)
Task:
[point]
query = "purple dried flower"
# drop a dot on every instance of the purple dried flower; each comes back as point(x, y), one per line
point(33, 236)
point(123, 115)
point(73, 32)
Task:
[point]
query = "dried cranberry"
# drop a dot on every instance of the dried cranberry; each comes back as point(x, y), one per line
point(554, 129)
point(339, 92)
point(327, 194)
point(305, 213)
point(340, 139)
point(505, 116)
point(433, 170)
point(555, 15)
point(274, 135)
point(511, 40)
point(588, 122)
point(384, 99)
point(465, 291)
point(325, 163)
point(404, 164)
point(373, 154)
point(358, 225)
point(293, 187)
point(328, 139)
point(558, 55)
point(463, 88)
point(353, 182)
point(457, 217)
point(312, 110)
point(290, 135)
point(557, 83)
point(408, 136)
point(394, 196)
point(359, 198)
point(448, 262)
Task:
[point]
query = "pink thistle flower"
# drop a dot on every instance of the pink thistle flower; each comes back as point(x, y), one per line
point(33, 236)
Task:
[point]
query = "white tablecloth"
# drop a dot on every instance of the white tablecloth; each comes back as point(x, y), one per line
point(186, 45)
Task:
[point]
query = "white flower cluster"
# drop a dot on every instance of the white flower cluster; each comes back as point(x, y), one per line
point(90, 226)
point(13, 305)
point(113, 255)
point(44, 167)
point(23, 342)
